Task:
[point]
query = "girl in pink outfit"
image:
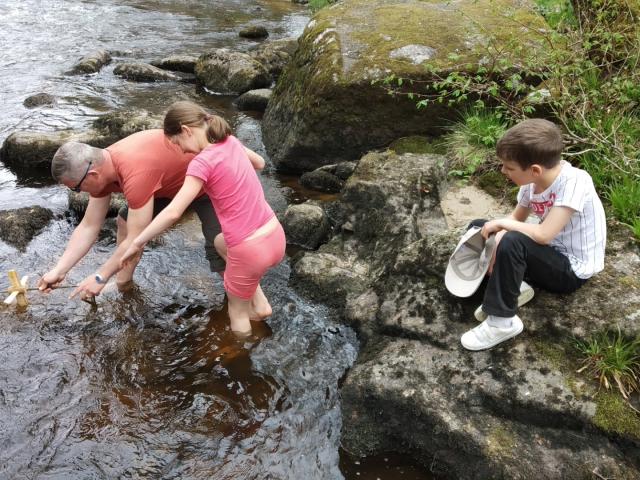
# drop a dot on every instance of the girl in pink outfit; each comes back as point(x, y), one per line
point(252, 239)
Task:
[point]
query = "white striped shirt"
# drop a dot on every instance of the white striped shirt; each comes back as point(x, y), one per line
point(584, 237)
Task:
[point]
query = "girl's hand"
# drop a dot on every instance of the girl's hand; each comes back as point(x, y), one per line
point(132, 253)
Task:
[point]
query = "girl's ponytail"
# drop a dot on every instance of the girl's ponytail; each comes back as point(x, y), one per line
point(217, 128)
point(192, 115)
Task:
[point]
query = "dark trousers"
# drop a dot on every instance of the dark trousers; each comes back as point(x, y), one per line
point(210, 226)
point(519, 258)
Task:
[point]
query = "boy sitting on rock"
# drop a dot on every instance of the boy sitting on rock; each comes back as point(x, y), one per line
point(557, 254)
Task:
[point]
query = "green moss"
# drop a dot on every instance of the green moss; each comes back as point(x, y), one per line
point(629, 282)
point(416, 144)
point(501, 442)
point(494, 183)
point(614, 415)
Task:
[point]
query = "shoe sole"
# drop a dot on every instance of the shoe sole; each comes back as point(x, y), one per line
point(486, 347)
point(524, 297)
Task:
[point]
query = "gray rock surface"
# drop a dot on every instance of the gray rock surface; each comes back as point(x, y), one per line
point(92, 62)
point(322, 181)
point(519, 410)
point(143, 72)
point(19, 226)
point(306, 225)
point(225, 71)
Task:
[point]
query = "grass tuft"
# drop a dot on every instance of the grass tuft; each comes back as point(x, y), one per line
point(613, 359)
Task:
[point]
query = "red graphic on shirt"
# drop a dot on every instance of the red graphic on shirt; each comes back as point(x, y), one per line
point(540, 209)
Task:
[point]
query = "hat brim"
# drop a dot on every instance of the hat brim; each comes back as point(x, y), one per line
point(461, 287)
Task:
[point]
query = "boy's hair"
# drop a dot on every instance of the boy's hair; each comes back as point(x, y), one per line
point(193, 115)
point(533, 141)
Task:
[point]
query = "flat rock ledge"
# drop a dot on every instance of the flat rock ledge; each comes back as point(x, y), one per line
point(19, 226)
point(517, 411)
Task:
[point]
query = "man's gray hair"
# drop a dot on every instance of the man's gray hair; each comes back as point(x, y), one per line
point(70, 161)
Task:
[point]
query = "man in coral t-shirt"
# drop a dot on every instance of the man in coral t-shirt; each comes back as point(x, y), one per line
point(149, 170)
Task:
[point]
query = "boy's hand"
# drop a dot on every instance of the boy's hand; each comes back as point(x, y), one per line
point(491, 227)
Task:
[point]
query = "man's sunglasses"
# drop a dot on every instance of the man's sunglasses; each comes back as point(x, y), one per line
point(77, 187)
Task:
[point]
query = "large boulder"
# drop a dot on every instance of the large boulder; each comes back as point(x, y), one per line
point(19, 226)
point(177, 63)
point(275, 55)
point(256, 100)
point(34, 150)
point(325, 107)
point(78, 202)
point(519, 410)
point(225, 71)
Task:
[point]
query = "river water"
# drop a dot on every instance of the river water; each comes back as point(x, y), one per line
point(151, 384)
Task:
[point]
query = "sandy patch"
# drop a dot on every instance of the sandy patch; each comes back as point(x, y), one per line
point(463, 203)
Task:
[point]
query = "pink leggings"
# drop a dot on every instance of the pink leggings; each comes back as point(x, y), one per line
point(248, 261)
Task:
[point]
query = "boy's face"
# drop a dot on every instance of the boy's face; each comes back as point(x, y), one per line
point(516, 174)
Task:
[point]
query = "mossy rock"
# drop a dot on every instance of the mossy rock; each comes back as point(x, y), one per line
point(327, 107)
point(416, 144)
point(19, 226)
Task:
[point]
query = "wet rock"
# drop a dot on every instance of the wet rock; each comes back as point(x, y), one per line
point(143, 72)
point(254, 32)
point(331, 87)
point(254, 100)
point(321, 181)
point(224, 71)
point(78, 202)
point(306, 225)
point(177, 63)
point(19, 226)
point(38, 100)
point(510, 412)
point(92, 62)
point(34, 150)
point(275, 55)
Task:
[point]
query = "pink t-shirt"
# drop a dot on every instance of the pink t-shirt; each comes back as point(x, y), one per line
point(233, 187)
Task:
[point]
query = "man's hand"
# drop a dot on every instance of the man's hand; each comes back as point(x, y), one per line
point(491, 227)
point(50, 280)
point(88, 288)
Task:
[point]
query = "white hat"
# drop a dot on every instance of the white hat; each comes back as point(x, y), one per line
point(469, 263)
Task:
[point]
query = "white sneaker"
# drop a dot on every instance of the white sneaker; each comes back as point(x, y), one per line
point(526, 294)
point(485, 336)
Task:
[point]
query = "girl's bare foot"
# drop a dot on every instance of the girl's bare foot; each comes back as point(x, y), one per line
point(260, 307)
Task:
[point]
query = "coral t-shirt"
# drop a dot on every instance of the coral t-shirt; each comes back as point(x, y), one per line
point(233, 187)
point(147, 165)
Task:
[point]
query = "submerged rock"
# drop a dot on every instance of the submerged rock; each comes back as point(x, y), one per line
point(177, 63)
point(224, 71)
point(143, 72)
point(19, 226)
point(322, 181)
point(254, 31)
point(332, 88)
point(92, 62)
point(254, 100)
point(78, 202)
point(38, 100)
point(519, 410)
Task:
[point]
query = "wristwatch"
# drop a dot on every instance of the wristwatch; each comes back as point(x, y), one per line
point(100, 279)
